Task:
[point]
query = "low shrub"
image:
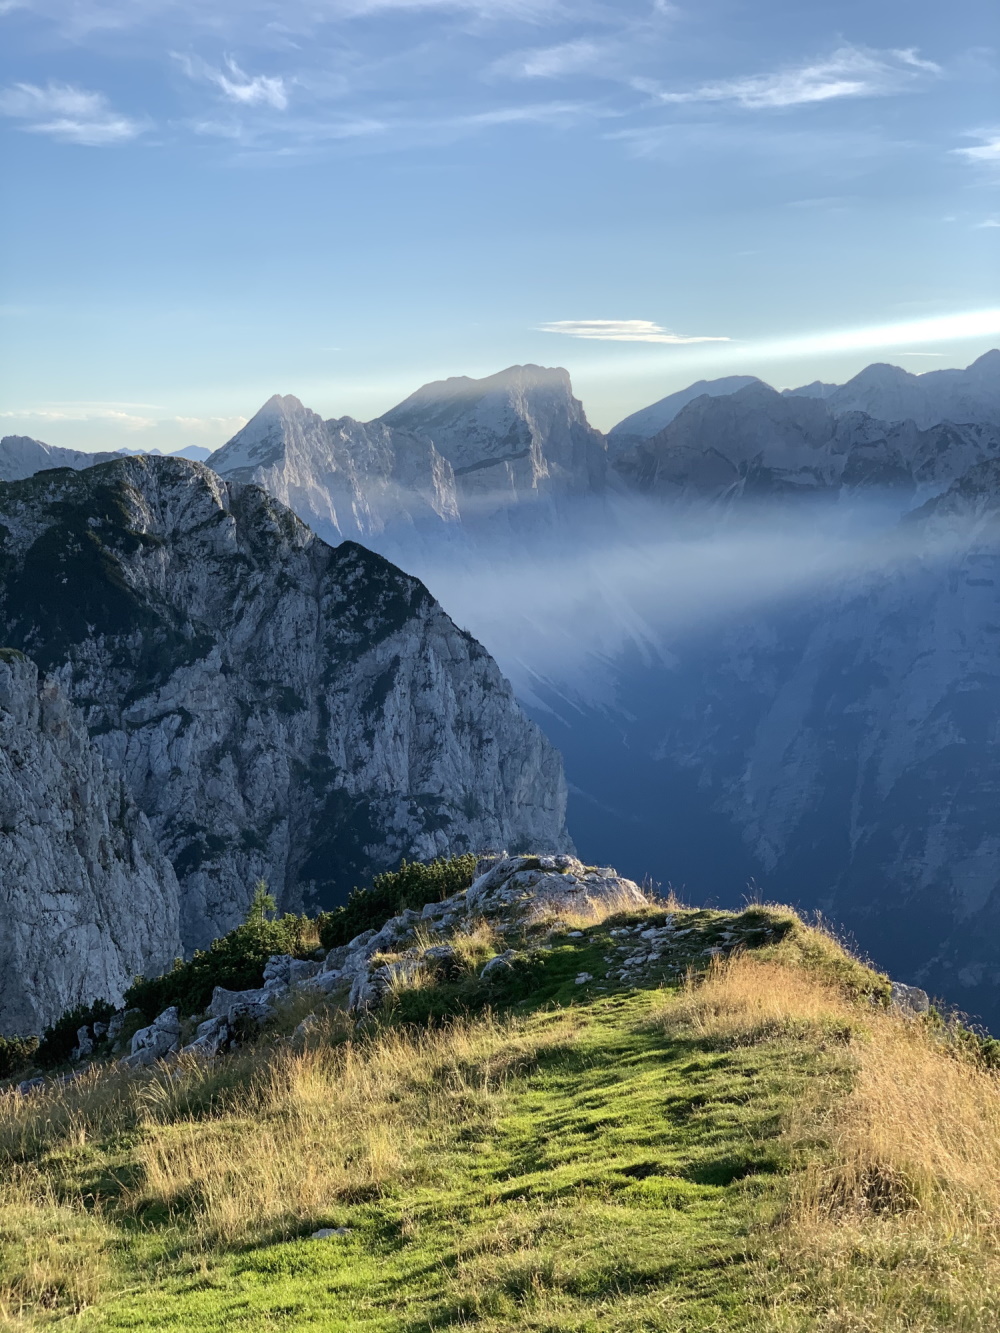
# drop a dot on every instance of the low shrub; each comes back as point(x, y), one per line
point(16, 1053)
point(412, 885)
point(236, 961)
point(58, 1041)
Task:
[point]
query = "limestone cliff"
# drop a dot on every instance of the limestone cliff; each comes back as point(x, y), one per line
point(86, 898)
point(278, 708)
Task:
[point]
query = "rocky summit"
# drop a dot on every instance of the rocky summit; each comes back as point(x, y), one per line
point(273, 707)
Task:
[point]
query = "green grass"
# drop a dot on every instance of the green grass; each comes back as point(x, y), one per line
point(599, 1160)
point(614, 1182)
point(616, 1190)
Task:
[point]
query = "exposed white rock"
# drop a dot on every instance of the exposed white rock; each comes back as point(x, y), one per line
point(345, 478)
point(161, 1038)
point(278, 708)
point(86, 898)
point(513, 436)
point(554, 885)
point(649, 421)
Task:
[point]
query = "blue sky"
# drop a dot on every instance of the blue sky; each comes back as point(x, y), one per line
point(209, 202)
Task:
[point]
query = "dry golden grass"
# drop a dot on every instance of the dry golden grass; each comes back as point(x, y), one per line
point(593, 911)
point(476, 942)
point(746, 999)
point(54, 1254)
point(325, 1127)
point(893, 1218)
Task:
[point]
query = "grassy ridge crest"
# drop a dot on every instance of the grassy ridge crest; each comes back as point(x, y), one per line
point(747, 1139)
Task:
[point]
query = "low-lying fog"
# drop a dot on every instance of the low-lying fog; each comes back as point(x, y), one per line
point(558, 602)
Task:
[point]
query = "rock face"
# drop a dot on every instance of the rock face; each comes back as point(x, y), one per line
point(433, 468)
point(86, 898)
point(346, 479)
point(277, 708)
point(517, 435)
point(756, 442)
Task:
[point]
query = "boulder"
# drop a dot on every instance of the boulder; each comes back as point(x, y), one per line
point(524, 885)
point(910, 999)
point(212, 1037)
point(161, 1038)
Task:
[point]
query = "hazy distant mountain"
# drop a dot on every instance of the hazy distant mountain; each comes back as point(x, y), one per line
point(21, 456)
point(839, 746)
point(197, 453)
point(817, 389)
point(516, 435)
point(453, 454)
point(758, 442)
point(651, 420)
point(892, 394)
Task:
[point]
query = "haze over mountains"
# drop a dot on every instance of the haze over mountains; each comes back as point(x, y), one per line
point(759, 625)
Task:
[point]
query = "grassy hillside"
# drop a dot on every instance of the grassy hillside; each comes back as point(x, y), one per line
point(754, 1142)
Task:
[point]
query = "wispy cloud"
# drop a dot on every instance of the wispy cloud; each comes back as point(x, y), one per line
point(71, 114)
point(114, 416)
point(850, 71)
point(552, 62)
point(986, 153)
point(622, 331)
point(235, 84)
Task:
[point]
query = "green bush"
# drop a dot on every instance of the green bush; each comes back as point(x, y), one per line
point(58, 1041)
point(235, 961)
point(412, 885)
point(16, 1053)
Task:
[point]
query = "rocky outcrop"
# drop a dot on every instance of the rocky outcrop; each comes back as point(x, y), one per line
point(86, 898)
point(278, 709)
point(448, 459)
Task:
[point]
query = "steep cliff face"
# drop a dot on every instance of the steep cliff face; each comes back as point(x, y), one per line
point(87, 900)
point(345, 478)
point(277, 708)
point(516, 435)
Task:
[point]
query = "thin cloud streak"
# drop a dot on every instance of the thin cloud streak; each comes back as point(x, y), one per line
point(850, 71)
point(552, 62)
point(623, 330)
point(984, 154)
point(73, 115)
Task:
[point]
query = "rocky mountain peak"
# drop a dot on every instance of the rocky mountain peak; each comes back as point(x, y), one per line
point(517, 434)
point(278, 708)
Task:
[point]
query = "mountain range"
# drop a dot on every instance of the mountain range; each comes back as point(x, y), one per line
point(759, 626)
